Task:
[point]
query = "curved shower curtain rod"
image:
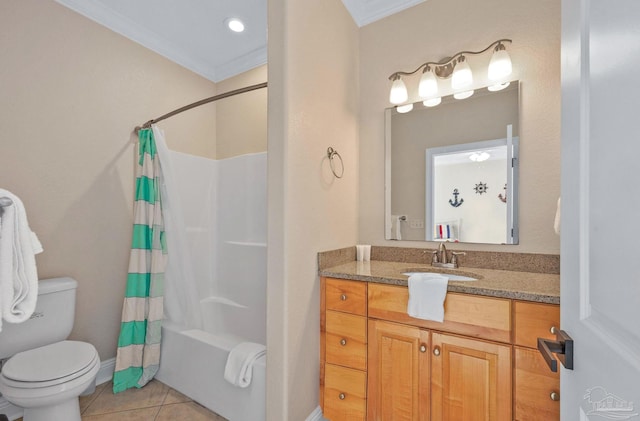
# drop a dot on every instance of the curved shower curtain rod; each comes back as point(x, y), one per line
point(201, 102)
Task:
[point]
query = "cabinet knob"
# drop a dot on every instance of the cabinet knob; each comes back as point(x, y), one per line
point(343, 297)
point(342, 396)
point(423, 348)
point(553, 330)
point(555, 396)
point(436, 351)
point(343, 341)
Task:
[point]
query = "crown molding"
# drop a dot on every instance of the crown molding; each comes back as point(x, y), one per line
point(365, 12)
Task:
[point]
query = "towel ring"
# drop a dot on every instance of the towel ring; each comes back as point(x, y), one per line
point(331, 154)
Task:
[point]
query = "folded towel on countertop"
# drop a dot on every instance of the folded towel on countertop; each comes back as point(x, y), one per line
point(18, 272)
point(239, 368)
point(427, 292)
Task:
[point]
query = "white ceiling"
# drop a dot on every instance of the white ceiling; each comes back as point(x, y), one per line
point(193, 34)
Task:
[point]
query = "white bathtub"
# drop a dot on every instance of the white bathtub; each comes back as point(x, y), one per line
point(193, 362)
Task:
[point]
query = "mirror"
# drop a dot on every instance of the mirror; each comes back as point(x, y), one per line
point(451, 170)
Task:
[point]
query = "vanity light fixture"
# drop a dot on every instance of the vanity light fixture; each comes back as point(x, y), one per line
point(457, 69)
point(404, 108)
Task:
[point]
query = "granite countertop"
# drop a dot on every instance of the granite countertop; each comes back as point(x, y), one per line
point(527, 286)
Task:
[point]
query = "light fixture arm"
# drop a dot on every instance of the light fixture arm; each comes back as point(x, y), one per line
point(444, 67)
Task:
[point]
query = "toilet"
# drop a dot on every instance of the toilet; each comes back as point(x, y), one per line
point(42, 372)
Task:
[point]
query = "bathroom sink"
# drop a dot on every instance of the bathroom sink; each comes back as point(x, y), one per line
point(455, 276)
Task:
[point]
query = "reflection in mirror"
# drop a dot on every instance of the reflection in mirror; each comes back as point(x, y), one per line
point(448, 169)
point(469, 191)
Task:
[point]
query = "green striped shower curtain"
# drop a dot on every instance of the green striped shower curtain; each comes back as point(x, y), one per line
point(138, 355)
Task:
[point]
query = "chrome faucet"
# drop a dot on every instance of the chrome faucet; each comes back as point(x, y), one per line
point(441, 260)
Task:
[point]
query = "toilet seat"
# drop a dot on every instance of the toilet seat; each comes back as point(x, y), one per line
point(50, 365)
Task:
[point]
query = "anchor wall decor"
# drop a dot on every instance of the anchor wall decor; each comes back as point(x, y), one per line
point(455, 203)
point(501, 197)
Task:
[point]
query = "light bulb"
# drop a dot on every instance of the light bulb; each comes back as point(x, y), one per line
point(398, 93)
point(404, 108)
point(500, 64)
point(463, 94)
point(235, 25)
point(428, 86)
point(432, 102)
point(498, 86)
point(462, 76)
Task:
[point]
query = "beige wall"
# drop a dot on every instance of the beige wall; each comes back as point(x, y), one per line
point(440, 28)
point(313, 103)
point(72, 92)
point(242, 119)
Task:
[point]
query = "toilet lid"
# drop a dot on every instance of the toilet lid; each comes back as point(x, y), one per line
point(50, 362)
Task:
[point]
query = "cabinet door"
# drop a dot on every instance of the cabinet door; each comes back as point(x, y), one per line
point(470, 379)
point(398, 372)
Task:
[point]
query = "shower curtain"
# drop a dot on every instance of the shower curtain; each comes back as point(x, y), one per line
point(138, 354)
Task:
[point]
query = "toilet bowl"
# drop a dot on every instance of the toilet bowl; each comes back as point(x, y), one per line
point(48, 380)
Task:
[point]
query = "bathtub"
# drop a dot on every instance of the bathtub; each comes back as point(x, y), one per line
point(199, 374)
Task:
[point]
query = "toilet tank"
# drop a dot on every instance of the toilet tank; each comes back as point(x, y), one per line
point(51, 321)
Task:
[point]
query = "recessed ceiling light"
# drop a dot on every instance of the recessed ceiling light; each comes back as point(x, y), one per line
point(235, 24)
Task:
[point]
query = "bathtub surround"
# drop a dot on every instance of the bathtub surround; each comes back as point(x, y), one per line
point(216, 218)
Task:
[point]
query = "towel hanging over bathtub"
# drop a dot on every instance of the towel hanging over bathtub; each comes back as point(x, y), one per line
point(239, 368)
point(18, 272)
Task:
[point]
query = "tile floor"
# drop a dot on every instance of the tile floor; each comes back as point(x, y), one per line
point(154, 402)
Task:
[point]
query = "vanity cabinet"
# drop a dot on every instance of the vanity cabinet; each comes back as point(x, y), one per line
point(398, 372)
point(343, 365)
point(481, 363)
point(537, 388)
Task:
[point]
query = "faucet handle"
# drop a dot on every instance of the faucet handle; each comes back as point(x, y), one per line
point(434, 257)
point(454, 257)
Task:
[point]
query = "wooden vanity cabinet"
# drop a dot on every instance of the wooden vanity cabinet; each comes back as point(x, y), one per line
point(343, 350)
point(536, 387)
point(480, 364)
point(398, 372)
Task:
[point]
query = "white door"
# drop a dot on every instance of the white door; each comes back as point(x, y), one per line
point(600, 275)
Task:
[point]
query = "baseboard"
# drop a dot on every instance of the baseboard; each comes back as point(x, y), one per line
point(316, 415)
point(105, 374)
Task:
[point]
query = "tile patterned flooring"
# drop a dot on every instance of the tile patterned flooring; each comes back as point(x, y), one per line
point(154, 402)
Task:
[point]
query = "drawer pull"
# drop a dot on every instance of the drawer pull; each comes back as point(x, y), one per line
point(343, 341)
point(342, 396)
point(554, 396)
point(343, 297)
point(553, 330)
point(423, 348)
point(436, 351)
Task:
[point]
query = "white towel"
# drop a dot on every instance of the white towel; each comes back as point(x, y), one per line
point(396, 228)
point(239, 368)
point(556, 222)
point(18, 272)
point(427, 292)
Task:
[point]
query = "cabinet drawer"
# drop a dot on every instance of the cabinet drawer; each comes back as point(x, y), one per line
point(471, 315)
point(345, 393)
point(533, 321)
point(346, 296)
point(534, 384)
point(346, 340)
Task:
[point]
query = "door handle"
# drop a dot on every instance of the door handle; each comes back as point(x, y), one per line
point(562, 347)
